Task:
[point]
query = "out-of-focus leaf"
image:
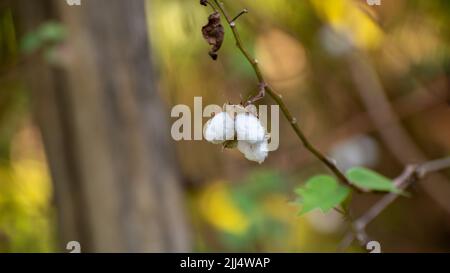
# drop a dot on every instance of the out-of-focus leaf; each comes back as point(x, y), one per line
point(31, 42)
point(321, 192)
point(370, 180)
point(259, 183)
point(218, 208)
point(52, 32)
point(347, 18)
point(48, 33)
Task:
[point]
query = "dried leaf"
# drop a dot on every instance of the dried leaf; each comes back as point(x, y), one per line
point(213, 33)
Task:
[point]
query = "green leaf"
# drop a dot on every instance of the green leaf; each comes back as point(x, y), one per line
point(31, 42)
point(52, 32)
point(323, 192)
point(370, 180)
point(47, 33)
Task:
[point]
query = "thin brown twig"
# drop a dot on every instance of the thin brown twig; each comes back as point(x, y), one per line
point(278, 99)
point(411, 174)
point(386, 121)
point(211, 5)
point(244, 11)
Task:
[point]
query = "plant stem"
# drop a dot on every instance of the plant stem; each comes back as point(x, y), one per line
point(410, 175)
point(278, 99)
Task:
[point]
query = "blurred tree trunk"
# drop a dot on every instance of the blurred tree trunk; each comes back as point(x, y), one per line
point(106, 130)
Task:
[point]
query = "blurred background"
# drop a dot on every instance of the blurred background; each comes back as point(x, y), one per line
point(85, 147)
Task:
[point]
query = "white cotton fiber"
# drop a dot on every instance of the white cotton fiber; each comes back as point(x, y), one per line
point(219, 129)
point(254, 152)
point(249, 128)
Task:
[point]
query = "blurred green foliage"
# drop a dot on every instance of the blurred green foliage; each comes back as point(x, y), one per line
point(26, 216)
point(8, 42)
point(47, 33)
point(26, 212)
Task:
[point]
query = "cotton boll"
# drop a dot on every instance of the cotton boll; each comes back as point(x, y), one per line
point(254, 152)
point(234, 109)
point(249, 128)
point(261, 151)
point(244, 147)
point(219, 128)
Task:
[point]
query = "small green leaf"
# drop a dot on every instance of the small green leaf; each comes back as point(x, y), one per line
point(323, 192)
point(370, 180)
point(31, 42)
point(47, 33)
point(52, 32)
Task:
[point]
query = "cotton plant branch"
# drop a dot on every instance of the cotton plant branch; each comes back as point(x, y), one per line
point(386, 121)
point(412, 104)
point(410, 175)
point(265, 88)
